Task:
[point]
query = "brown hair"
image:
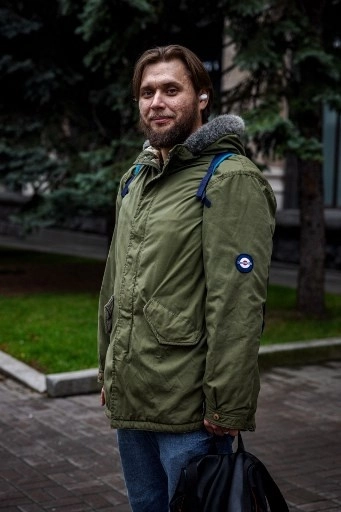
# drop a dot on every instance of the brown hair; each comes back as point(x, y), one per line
point(196, 70)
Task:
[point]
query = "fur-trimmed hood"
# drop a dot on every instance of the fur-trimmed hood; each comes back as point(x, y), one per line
point(207, 134)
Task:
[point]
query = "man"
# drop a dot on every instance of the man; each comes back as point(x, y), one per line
point(183, 293)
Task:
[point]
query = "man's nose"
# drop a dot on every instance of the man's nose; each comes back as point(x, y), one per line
point(158, 100)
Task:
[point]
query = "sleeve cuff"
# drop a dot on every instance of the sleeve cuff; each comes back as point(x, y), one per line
point(227, 420)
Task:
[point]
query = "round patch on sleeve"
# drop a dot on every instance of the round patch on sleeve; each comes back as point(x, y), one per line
point(244, 263)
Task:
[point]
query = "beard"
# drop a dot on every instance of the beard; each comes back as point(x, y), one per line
point(177, 134)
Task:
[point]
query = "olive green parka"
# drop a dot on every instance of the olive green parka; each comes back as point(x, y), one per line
point(183, 293)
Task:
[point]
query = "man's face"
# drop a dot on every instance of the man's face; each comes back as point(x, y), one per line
point(170, 109)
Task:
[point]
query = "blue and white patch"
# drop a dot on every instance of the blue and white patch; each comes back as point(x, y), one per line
point(244, 263)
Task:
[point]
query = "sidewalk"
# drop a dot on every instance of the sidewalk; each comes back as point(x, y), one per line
point(59, 455)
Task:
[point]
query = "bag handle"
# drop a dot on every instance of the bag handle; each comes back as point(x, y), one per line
point(272, 492)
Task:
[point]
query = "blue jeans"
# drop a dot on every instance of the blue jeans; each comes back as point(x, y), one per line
point(152, 463)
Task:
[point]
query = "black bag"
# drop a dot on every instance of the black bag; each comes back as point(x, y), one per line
point(227, 483)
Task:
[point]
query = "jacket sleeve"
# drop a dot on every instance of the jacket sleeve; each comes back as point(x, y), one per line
point(239, 224)
point(106, 298)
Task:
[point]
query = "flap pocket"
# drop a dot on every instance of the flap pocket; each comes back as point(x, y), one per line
point(169, 327)
point(108, 311)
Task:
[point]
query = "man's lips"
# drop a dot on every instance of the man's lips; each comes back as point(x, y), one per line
point(160, 119)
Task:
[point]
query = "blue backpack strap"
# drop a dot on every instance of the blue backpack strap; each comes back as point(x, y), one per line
point(201, 192)
point(135, 172)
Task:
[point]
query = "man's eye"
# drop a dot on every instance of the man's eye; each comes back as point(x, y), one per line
point(146, 94)
point(172, 91)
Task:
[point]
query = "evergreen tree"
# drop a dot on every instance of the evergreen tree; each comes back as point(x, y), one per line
point(57, 137)
point(67, 119)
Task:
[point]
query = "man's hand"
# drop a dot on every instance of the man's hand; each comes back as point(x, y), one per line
point(102, 397)
point(219, 431)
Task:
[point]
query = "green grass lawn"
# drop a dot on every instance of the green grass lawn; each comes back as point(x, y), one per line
point(57, 332)
point(284, 324)
point(48, 309)
point(51, 332)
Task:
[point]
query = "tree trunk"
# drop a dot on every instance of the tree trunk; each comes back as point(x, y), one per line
point(310, 291)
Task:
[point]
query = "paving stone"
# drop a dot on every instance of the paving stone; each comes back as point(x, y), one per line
point(59, 454)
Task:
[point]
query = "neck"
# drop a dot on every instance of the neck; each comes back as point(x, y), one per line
point(164, 153)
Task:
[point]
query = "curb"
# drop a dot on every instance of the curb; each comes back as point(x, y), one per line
point(22, 372)
point(72, 383)
point(299, 353)
point(54, 384)
point(85, 381)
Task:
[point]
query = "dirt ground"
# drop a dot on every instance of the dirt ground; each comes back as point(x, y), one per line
point(41, 277)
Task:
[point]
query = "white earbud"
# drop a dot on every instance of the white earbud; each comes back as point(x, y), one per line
point(203, 97)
